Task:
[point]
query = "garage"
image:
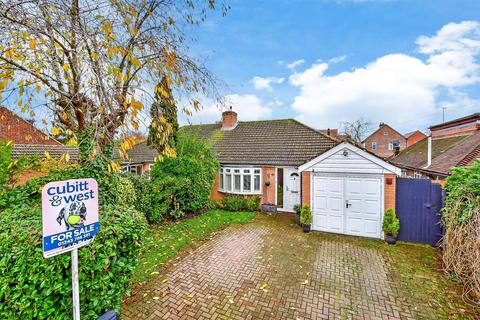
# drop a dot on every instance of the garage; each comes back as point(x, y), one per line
point(349, 191)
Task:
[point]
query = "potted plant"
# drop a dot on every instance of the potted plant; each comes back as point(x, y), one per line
point(306, 217)
point(297, 208)
point(390, 226)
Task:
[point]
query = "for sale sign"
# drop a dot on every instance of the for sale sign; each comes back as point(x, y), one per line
point(69, 215)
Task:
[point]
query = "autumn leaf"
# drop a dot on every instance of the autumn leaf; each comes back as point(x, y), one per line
point(55, 131)
point(33, 44)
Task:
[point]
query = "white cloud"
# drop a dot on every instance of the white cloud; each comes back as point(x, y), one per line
point(261, 83)
point(295, 64)
point(399, 89)
point(337, 59)
point(248, 106)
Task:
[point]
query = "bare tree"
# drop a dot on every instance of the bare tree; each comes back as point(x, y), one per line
point(94, 64)
point(357, 130)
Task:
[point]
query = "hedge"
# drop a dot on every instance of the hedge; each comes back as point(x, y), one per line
point(32, 287)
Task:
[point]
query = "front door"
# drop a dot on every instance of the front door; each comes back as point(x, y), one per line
point(291, 193)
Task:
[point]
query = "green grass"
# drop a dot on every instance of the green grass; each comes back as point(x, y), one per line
point(165, 241)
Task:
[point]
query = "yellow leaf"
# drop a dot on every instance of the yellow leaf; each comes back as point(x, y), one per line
point(65, 67)
point(55, 131)
point(33, 44)
point(67, 157)
point(154, 273)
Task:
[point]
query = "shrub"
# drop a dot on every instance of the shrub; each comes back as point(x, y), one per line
point(297, 208)
point(36, 288)
point(142, 186)
point(184, 183)
point(391, 224)
point(124, 191)
point(306, 217)
point(461, 219)
point(234, 203)
point(253, 203)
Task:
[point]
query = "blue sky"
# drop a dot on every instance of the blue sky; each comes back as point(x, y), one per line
point(397, 61)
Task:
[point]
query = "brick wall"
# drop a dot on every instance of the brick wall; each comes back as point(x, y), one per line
point(383, 140)
point(216, 195)
point(268, 192)
point(306, 178)
point(390, 188)
point(414, 138)
point(13, 128)
point(455, 131)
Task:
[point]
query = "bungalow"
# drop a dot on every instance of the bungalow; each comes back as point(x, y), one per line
point(286, 163)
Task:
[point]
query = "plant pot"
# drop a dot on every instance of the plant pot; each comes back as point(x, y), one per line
point(391, 239)
point(269, 207)
point(306, 228)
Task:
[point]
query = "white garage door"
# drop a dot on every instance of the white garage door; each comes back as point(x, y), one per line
point(347, 205)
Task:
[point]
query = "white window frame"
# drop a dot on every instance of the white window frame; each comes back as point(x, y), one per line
point(404, 173)
point(374, 145)
point(233, 171)
point(417, 175)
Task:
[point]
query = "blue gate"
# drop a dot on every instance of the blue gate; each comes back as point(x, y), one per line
point(418, 204)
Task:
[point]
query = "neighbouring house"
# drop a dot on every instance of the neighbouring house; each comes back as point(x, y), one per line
point(414, 137)
point(286, 163)
point(385, 141)
point(451, 144)
point(20, 131)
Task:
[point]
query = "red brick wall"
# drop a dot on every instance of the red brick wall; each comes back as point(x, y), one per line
point(465, 129)
point(414, 138)
point(382, 141)
point(216, 195)
point(268, 192)
point(17, 130)
point(306, 178)
point(390, 188)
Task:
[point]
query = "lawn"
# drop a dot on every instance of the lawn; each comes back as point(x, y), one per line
point(165, 241)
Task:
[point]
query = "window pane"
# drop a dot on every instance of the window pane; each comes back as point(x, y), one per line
point(228, 182)
point(246, 170)
point(256, 182)
point(247, 183)
point(221, 181)
point(236, 182)
point(256, 171)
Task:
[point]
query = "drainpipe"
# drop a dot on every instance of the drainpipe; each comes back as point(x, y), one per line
point(429, 152)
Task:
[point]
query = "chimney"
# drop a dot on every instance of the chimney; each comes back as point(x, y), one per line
point(396, 150)
point(381, 124)
point(229, 119)
point(429, 151)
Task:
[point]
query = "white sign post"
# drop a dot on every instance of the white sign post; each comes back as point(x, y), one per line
point(70, 221)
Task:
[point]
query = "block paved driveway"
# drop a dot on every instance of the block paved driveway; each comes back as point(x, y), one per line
point(269, 269)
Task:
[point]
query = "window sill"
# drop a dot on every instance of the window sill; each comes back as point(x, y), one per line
point(256, 193)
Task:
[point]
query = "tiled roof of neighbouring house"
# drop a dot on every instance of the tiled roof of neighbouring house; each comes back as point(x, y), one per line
point(139, 154)
point(446, 153)
point(55, 151)
point(269, 142)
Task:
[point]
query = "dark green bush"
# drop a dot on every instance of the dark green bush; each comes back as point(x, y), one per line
point(234, 203)
point(142, 186)
point(184, 183)
point(32, 287)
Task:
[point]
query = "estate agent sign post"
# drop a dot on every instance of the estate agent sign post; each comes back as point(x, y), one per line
point(70, 220)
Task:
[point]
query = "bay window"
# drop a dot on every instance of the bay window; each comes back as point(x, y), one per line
point(240, 180)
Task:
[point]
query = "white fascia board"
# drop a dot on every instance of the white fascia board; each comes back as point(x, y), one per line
point(387, 166)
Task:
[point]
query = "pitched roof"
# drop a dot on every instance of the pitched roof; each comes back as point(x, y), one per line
point(141, 153)
point(269, 142)
point(470, 118)
point(409, 134)
point(446, 153)
point(380, 127)
point(55, 151)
